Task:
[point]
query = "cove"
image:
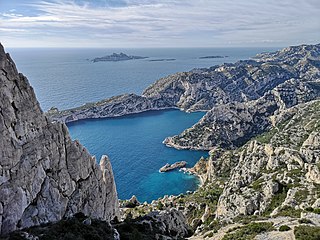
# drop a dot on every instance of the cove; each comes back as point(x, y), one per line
point(134, 145)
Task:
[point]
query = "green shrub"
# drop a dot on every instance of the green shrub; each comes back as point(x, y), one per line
point(249, 231)
point(160, 205)
point(284, 228)
point(304, 220)
point(309, 209)
point(288, 211)
point(316, 210)
point(305, 232)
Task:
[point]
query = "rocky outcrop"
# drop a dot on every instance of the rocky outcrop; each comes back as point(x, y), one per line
point(170, 167)
point(112, 107)
point(44, 175)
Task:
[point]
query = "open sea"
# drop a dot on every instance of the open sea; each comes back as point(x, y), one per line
point(66, 78)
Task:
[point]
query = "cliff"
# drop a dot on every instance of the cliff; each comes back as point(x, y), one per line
point(44, 175)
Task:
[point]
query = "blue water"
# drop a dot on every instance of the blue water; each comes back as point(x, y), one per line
point(134, 145)
point(65, 78)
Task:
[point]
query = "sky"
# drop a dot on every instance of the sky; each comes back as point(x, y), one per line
point(159, 23)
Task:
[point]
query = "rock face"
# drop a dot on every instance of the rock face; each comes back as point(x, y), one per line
point(44, 175)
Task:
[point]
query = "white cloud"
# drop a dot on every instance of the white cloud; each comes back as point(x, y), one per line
point(170, 22)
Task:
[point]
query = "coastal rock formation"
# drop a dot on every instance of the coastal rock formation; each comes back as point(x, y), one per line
point(44, 175)
point(112, 107)
point(170, 167)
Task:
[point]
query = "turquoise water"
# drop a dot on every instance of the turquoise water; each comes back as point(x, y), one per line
point(134, 145)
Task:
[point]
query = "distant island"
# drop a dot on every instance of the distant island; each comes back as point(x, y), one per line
point(217, 56)
point(162, 60)
point(116, 57)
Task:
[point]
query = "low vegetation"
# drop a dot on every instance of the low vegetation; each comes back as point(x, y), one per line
point(249, 231)
point(305, 232)
point(284, 228)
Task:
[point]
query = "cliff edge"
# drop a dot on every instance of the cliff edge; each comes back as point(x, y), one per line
point(44, 175)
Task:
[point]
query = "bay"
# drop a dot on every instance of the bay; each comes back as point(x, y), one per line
point(134, 145)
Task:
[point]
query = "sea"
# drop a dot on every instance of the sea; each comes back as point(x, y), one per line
point(66, 78)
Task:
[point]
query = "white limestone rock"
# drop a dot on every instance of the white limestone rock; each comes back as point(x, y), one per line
point(44, 175)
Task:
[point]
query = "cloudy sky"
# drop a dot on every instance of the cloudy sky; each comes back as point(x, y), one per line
point(158, 23)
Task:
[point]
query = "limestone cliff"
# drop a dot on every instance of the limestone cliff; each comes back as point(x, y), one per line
point(44, 175)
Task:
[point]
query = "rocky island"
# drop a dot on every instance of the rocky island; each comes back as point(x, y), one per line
point(116, 57)
point(162, 60)
point(213, 56)
point(170, 167)
point(260, 181)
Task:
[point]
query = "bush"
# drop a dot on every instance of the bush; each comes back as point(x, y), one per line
point(160, 205)
point(309, 209)
point(305, 232)
point(284, 228)
point(316, 210)
point(249, 231)
point(304, 220)
point(288, 211)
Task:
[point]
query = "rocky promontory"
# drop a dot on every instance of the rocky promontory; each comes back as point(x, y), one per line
point(170, 167)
